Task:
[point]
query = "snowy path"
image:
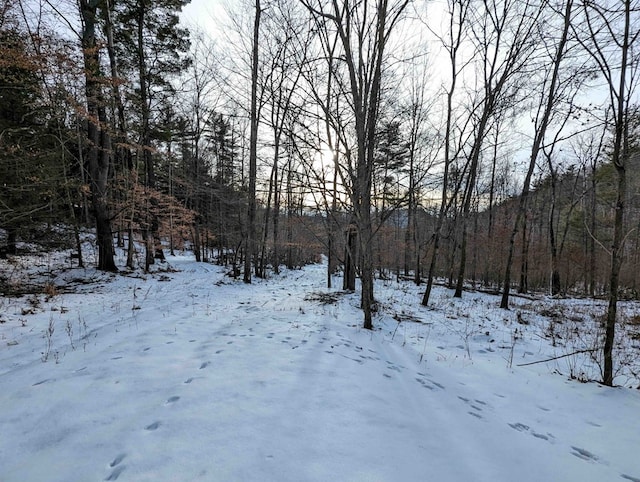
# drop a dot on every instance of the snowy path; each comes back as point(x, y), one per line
point(200, 378)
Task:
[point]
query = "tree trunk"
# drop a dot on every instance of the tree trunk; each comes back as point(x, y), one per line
point(253, 149)
point(12, 241)
point(555, 273)
point(592, 239)
point(99, 141)
point(541, 129)
point(614, 279)
point(523, 287)
point(350, 254)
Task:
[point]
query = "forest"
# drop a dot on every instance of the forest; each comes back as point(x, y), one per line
point(488, 145)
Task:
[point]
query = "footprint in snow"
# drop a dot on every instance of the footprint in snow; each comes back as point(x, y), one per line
point(117, 460)
point(521, 427)
point(424, 383)
point(360, 362)
point(188, 380)
point(116, 472)
point(474, 403)
point(393, 365)
point(427, 382)
point(628, 477)
point(583, 454)
point(152, 427)
point(204, 365)
point(171, 400)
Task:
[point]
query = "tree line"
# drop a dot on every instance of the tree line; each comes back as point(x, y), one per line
point(484, 143)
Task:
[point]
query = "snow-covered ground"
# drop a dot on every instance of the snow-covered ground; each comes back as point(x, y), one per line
point(188, 375)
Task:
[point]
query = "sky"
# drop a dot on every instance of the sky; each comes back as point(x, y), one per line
point(207, 14)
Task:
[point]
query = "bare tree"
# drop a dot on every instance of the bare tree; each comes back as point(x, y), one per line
point(610, 34)
point(285, 54)
point(588, 151)
point(421, 151)
point(364, 30)
point(458, 11)
point(543, 118)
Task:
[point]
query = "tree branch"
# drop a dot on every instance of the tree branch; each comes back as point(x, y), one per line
point(588, 350)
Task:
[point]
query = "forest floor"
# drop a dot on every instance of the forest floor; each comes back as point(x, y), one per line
point(187, 374)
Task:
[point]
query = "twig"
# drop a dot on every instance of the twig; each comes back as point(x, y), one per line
point(589, 350)
point(394, 331)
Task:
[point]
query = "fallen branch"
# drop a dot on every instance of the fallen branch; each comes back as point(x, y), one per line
point(589, 350)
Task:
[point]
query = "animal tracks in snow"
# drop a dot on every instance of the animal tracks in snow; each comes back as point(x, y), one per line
point(117, 460)
point(116, 473)
point(428, 383)
point(117, 468)
point(477, 406)
point(628, 477)
point(521, 427)
point(584, 454)
point(153, 426)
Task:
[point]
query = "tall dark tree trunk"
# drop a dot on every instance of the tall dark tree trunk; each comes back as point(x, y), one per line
point(262, 259)
point(332, 261)
point(555, 272)
point(99, 142)
point(610, 29)
point(275, 256)
point(253, 150)
point(12, 241)
point(350, 256)
point(466, 208)
point(614, 278)
point(523, 287)
point(153, 244)
point(592, 235)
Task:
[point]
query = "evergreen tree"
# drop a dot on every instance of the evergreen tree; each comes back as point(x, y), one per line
point(32, 175)
point(152, 49)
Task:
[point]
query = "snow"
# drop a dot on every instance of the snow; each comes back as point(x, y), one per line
point(188, 374)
